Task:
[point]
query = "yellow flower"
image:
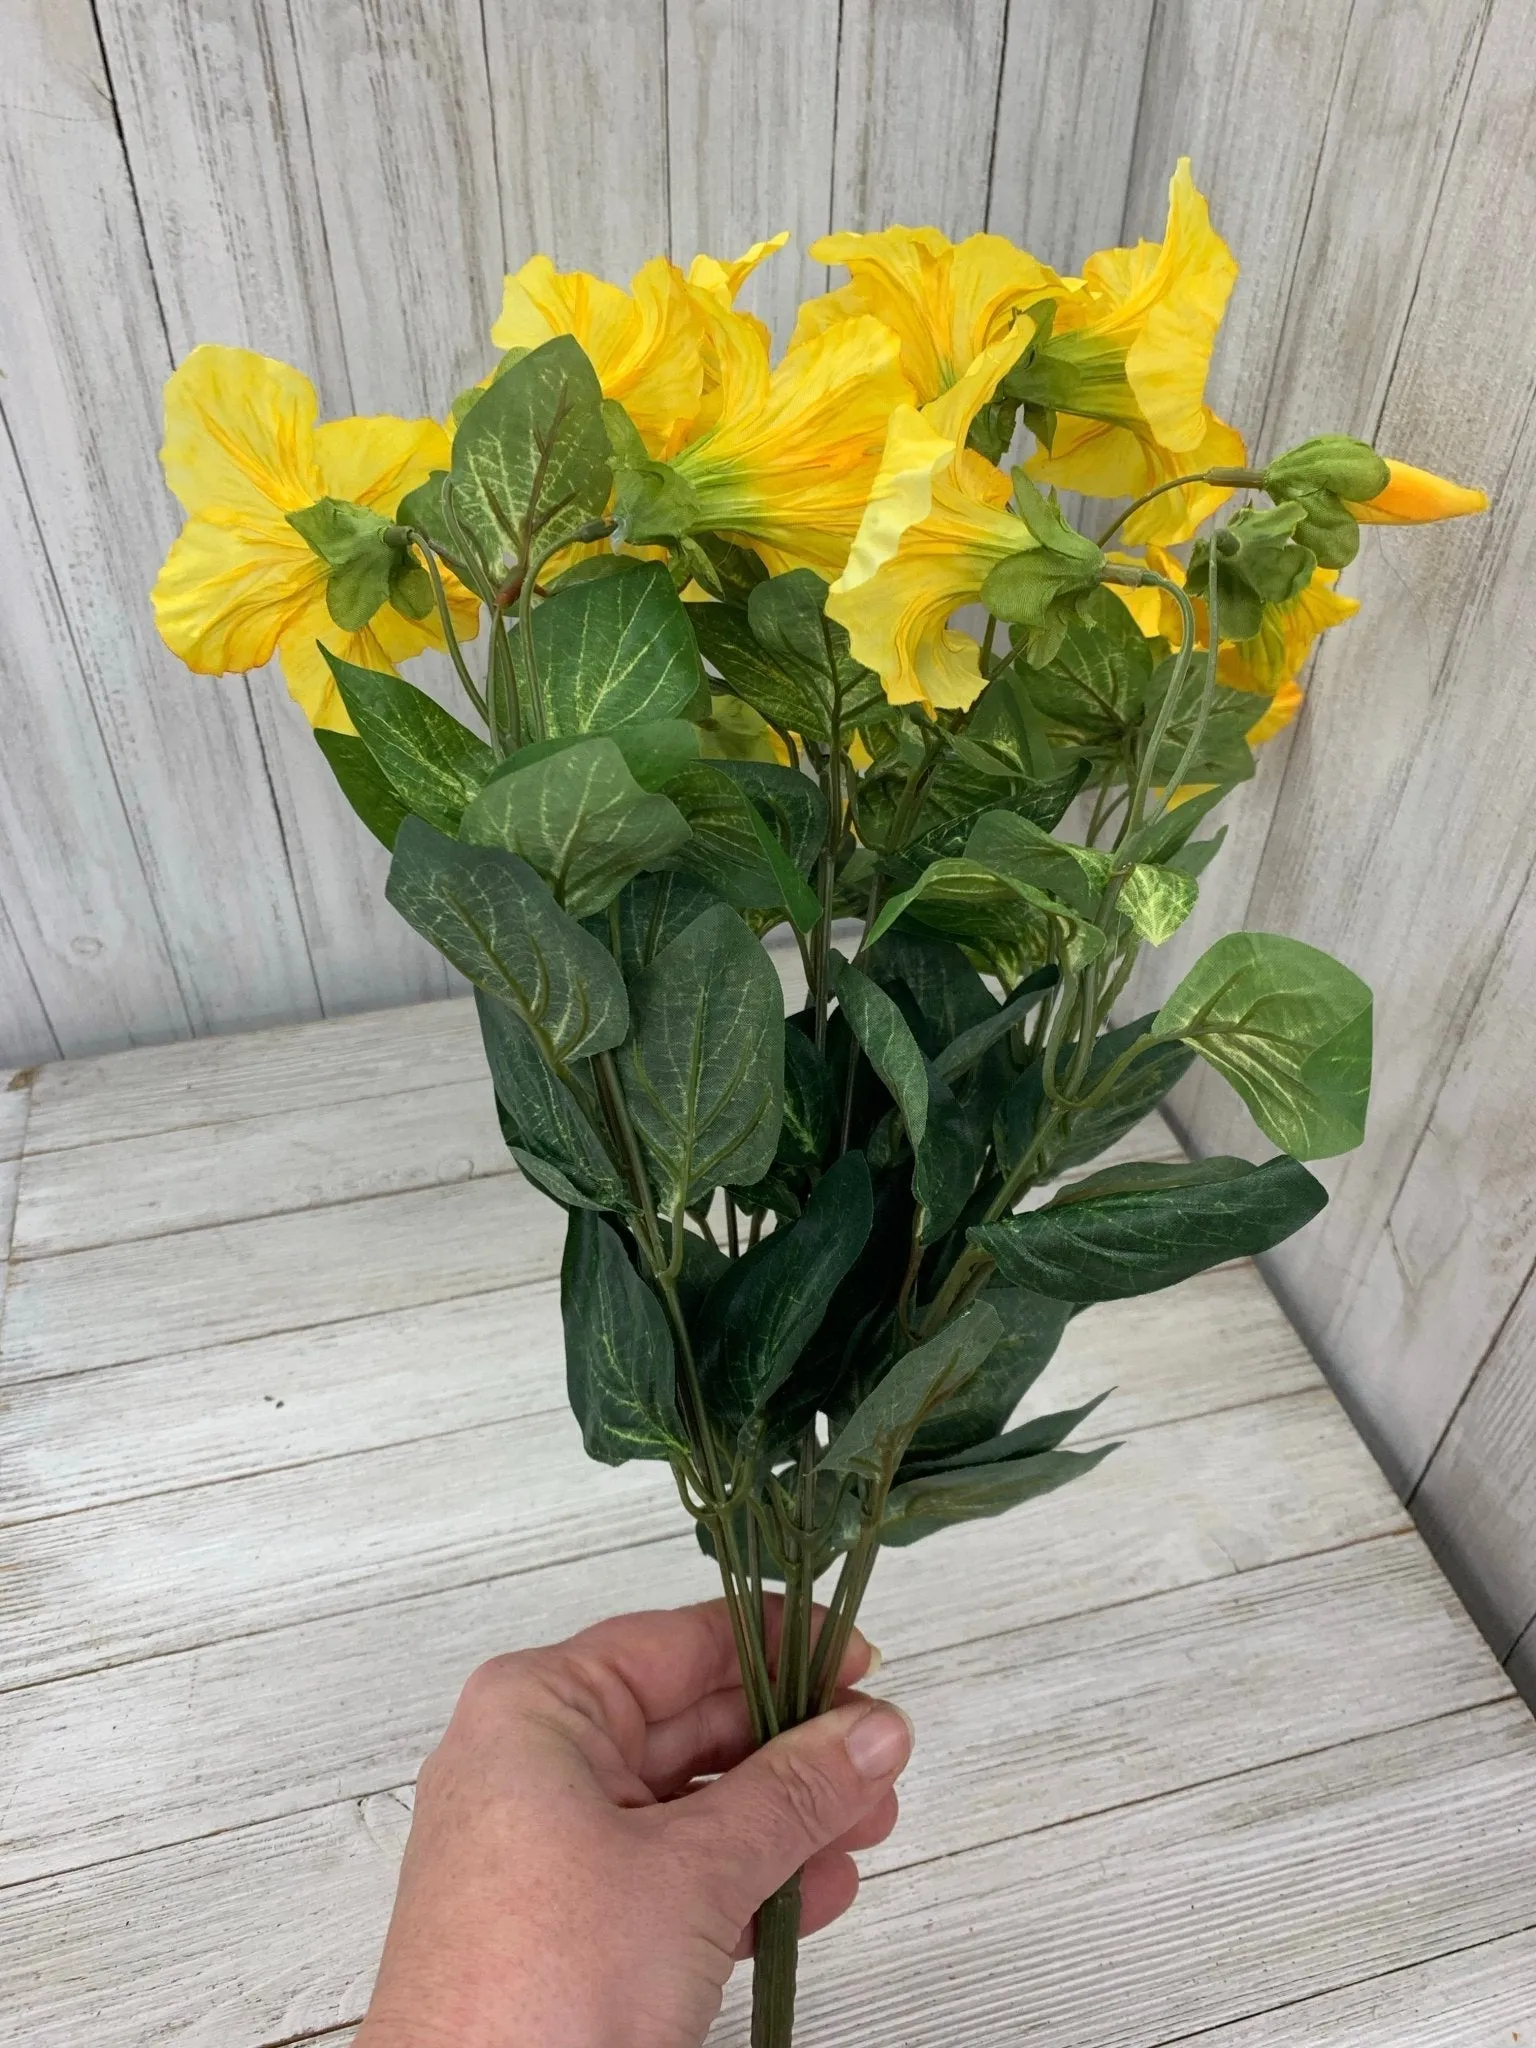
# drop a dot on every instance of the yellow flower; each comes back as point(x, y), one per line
point(787, 465)
point(1129, 349)
point(948, 301)
point(1413, 496)
point(644, 343)
point(242, 450)
point(1281, 709)
point(934, 528)
point(721, 281)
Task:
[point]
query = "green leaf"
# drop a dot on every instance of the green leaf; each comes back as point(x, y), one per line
point(1132, 1230)
point(350, 540)
point(921, 1507)
point(963, 1052)
point(790, 800)
point(810, 1107)
point(1197, 856)
point(1032, 1327)
point(888, 1044)
point(1157, 900)
point(1041, 1433)
point(1290, 1028)
point(967, 901)
point(657, 749)
point(872, 1440)
point(433, 763)
point(546, 1125)
point(490, 914)
point(363, 783)
point(1091, 694)
point(580, 820)
point(756, 1320)
point(946, 988)
point(652, 912)
point(619, 1364)
point(726, 848)
point(1088, 1132)
point(781, 654)
point(1009, 845)
point(531, 462)
point(615, 651)
point(1170, 832)
point(703, 1067)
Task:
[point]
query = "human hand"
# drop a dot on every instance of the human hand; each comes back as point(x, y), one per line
point(567, 1884)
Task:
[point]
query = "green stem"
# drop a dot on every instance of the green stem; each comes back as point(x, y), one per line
point(1234, 479)
point(450, 637)
point(775, 1957)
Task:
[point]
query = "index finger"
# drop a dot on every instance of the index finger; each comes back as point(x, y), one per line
point(670, 1657)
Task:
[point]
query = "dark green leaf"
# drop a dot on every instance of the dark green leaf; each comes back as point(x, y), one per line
point(619, 1365)
point(1086, 1133)
point(615, 651)
point(549, 1124)
point(1032, 1329)
point(810, 1108)
point(1029, 1440)
point(888, 1044)
point(1013, 846)
point(969, 902)
point(1091, 693)
point(703, 1067)
point(757, 1318)
point(921, 1507)
point(531, 461)
point(963, 1052)
point(726, 849)
point(1290, 1028)
point(499, 925)
point(363, 783)
point(652, 911)
point(948, 991)
point(878, 1431)
point(1131, 1230)
point(579, 819)
point(433, 763)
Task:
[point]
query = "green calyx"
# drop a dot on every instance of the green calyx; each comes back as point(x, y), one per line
point(369, 559)
point(1323, 477)
point(1041, 588)
point(1257, 561)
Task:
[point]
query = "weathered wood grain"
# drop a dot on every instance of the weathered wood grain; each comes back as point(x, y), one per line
point(85, 354)
point(579, 98)
point(917, 91)
point(1186, 1907)
point(751, 112)
point(234, 1410)
point(1066, 124)
point(1123, 1704)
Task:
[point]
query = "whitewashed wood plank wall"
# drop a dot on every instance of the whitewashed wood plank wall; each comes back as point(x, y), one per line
point(343, 187)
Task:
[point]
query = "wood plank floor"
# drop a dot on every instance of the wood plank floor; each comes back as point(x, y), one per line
point(1207, 1751)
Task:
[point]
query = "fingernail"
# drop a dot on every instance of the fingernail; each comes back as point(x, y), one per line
point(880, 1742)
point(876, 1659)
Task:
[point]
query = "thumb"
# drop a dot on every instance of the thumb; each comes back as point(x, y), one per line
point(798, 1794)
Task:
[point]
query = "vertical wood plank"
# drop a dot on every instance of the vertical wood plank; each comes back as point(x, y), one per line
point(82, 943)
point(1066, 124)
point(218, 136)
point(1477, 1502)
point(84, 348)
point(580, 95)
point(916, 102)
point(751, 111)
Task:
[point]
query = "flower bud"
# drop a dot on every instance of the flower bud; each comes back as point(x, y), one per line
point(1328, 462)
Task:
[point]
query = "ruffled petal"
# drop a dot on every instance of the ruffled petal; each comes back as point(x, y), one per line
point(230, 588)
point(722, 280)
point(239, 434)
point(375, 461)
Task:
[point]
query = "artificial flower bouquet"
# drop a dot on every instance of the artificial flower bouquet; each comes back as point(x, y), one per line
point(716, 691)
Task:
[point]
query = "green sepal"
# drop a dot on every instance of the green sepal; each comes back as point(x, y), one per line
point(353, 543)
point(1336, 463)
point(1258, 562)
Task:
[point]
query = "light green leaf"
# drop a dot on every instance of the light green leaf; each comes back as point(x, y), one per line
point(531, 462)
point(1133, 1229)
point(877, 1433)
point(619, 1364)
point(579, 819)
point(1290, 1028)
point(613, 651)
point(490, 914)
point(756, 1319)
point(433, 763)
point(1157, 900)
point(703, 1067)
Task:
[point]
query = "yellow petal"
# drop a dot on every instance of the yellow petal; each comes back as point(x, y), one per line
point(385, 641)
point(723, 280)
point(1283, 707)
point(1106, 461)
point(374, 462)
point(230, 587)
point(239, 434)
point(1413, 496)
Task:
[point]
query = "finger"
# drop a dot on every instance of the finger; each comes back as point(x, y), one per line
point(807, 1788)
point(873, 1828)
point(712, 1735)
point(670, 1657)
point(829, 1884)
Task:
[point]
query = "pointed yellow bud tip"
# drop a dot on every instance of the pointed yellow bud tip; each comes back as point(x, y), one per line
point(1414, 496)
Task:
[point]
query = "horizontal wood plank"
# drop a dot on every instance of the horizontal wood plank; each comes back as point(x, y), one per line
point(233, 1410)
point(1121, 1704)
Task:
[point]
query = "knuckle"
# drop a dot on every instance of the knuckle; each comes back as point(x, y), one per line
point(805, 1789)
